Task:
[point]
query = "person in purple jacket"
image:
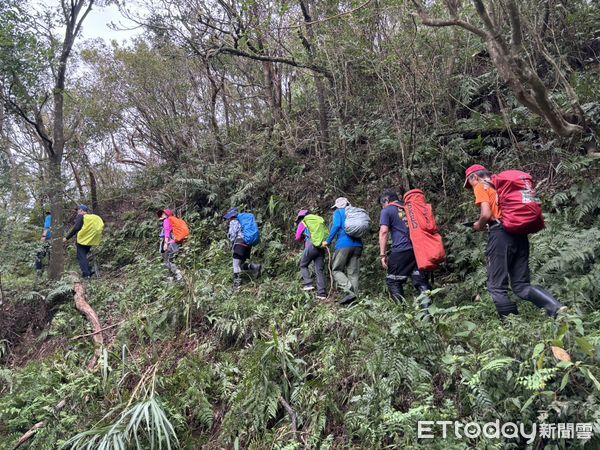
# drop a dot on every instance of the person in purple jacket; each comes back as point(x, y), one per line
point(310, 254)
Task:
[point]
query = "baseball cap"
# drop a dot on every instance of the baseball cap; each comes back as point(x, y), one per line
point(302, 213)
point(83, 208)
point(231, 213)
point(470, 171)
point(340, 202)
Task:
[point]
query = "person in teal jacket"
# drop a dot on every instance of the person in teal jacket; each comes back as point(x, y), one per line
point(346, 258)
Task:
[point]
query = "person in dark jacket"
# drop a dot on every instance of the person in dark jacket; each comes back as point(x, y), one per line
point(82, 250)
point(507, 253)
point(399, 262)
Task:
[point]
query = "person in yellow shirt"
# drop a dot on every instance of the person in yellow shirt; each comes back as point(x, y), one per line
point(88, 228)
point(507, 253)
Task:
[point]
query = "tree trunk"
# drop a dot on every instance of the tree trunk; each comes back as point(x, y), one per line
point(319, 85)
point(55, 193)
point(93, 190)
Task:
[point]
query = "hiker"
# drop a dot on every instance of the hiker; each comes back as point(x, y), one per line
point(313, 250)
point(348, 248)
point(44, 251)
point(88, 227)
point(507, 252)
point(243, 234)
point(400, 262)
point(170, 244)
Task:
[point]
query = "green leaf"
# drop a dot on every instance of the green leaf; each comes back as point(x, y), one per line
point(539, 348)
point(585, 345)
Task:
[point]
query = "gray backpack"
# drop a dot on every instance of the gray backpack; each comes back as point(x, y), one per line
point(357, 222)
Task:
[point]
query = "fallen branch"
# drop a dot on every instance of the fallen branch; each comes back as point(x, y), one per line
point(290, 412)
point(84, 307)
point(38, 426)
point(98, 331)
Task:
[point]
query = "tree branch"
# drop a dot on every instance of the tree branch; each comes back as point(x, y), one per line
point(438, 23)
point(265, 58)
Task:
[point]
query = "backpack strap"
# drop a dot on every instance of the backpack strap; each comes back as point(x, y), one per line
point(397, 204)
point(490, 184)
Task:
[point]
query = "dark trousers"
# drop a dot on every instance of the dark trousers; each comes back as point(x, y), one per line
point(41, 254)
point(401, 266)
point(316, 254)
point(507, 260)
point(82, 257)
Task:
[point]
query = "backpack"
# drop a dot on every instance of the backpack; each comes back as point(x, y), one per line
point(357, 222)
point(521, 208)
point(424, 234)
point(249, 228)
point(181, 231)
point(91, 232)
point(317, 228)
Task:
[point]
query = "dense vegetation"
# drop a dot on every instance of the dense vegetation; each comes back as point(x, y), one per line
point(273, 107)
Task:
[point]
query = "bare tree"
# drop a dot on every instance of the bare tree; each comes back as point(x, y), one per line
point(510, 58)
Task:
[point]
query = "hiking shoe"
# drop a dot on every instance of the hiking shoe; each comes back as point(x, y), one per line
point(321, 296)
point(562, 311)
point(308, 287)
point(258, 270)
point(348, 299)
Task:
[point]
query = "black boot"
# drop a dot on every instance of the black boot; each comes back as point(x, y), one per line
point(237, 282)
point(541, 298)
point(396, 290)
point(257, 269)
point(505, 309)
point(424, 301)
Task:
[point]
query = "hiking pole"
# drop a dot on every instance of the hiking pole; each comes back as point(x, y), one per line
point(330, 273)
point(1, 289)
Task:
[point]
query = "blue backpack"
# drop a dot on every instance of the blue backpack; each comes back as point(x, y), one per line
point(249, 228)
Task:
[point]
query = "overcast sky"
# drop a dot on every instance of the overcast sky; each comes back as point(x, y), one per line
point(96, 24)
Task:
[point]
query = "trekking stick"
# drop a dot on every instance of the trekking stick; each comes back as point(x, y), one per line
point(1, 289)
point(330, 273)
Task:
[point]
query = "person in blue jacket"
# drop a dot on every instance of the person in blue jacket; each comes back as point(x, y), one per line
point(346, 258)
point(44, 250)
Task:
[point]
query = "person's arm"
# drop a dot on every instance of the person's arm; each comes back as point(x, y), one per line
point(76, 227)
point(384, 232)
point(485, 215)
point(300, 231)
point(335, 228)
point(234, 229)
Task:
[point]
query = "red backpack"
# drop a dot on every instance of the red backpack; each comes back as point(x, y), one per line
point(521, 208)
point(181, 230)
point(424, 235)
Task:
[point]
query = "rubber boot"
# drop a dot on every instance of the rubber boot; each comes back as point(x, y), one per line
point(237, 282)
point(541, 298)
point(396, 290)
point(505, 310)
point(424, 302)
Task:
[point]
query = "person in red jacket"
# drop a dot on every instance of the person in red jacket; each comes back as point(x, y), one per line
point(507, 253)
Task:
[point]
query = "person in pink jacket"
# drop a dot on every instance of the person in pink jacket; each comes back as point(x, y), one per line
point(311, 253)
point(168, 247)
